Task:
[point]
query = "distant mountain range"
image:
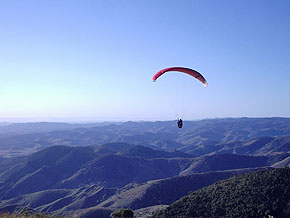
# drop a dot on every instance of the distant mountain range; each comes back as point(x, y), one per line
point(90, 170)
point(229, 135)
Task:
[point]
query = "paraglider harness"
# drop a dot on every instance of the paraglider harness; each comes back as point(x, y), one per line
point(179, 123)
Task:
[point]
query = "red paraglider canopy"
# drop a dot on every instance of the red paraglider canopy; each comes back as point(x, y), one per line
point(188, 71)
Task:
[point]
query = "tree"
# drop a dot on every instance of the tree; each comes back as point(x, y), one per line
point(123, 213)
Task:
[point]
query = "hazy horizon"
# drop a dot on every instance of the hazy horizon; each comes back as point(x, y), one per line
point(79, 120)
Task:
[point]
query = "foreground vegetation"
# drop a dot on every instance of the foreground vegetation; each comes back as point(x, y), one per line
point(258, 194)
point(28, 213)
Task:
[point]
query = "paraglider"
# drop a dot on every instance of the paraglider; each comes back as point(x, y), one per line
point(188, 71)
point(179, 123)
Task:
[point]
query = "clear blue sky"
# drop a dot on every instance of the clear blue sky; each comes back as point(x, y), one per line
point(94, 60)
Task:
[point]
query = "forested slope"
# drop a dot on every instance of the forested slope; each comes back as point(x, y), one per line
point(256, 194)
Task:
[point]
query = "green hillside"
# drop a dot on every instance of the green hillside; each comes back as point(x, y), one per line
point(256, 194)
